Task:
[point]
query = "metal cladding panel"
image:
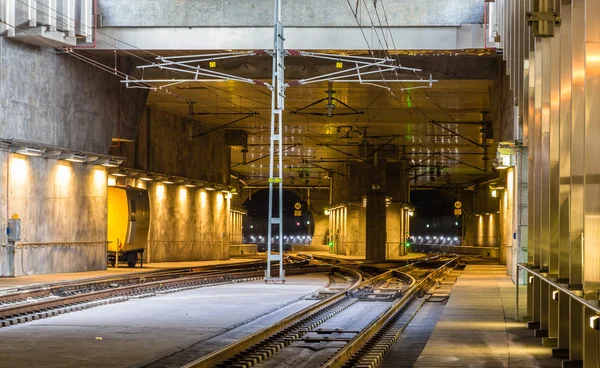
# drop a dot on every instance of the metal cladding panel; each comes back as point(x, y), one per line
point(577, 141)
point(591, 251)
point(565, 140)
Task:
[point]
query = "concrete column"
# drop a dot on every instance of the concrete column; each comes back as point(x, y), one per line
point(376, 229)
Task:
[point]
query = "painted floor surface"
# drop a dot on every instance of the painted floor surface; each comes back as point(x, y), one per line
point(477, 327)
point(142, 330)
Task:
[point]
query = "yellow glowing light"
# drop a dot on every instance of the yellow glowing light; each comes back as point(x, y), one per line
point(112, 181)
point(219, 200)
point(99, 178)
point(19, 170)
point(203, 198)
point(160, 192)
point(327, 212)
point(62, 179)
point(494, 193)
point(182, 194)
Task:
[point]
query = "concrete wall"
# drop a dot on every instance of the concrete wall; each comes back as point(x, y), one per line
point(187, 224)
point(321, 226)
point(164, 146)
point(54, 99)
point(62, 207)
point(296, 13)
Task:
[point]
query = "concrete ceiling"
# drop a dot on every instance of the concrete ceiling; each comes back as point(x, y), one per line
point(397, 123)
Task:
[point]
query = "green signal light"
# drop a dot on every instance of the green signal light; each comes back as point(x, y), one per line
point(331, 244)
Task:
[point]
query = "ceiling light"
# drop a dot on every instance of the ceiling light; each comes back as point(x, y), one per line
point(209, 188)
point(30, 151)
point(146, 177)
point(190, 184)
point(119, 173)
point(169, 180)
point(112, 163)
point(75, 158)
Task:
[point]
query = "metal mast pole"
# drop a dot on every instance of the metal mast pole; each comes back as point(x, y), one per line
point(276, 172)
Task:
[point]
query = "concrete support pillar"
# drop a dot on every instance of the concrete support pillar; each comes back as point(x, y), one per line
point(376, 227)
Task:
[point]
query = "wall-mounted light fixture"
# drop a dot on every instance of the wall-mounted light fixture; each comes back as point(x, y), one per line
point(60, 153)
point(494, 193)
point(595, 322)
point(73, 157)
point(170, 180)
point(27, 151)
point(119, 173)
point(146, 177)
point(190, 184)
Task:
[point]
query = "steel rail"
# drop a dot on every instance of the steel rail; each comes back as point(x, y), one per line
point(353, 347)
point(239, 346)
point(227, 276)
point(227, 352)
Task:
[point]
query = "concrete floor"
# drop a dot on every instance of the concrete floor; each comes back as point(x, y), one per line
point(477, 327)
point(140, 331)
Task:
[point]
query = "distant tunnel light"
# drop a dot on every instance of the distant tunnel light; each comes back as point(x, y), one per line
point(427, 225)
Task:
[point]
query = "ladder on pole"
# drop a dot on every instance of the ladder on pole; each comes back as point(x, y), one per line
point(276, 141)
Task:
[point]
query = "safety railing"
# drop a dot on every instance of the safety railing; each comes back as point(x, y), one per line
point(558, 287)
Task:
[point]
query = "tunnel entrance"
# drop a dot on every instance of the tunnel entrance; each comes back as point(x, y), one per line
point(298, 224)
point(434, 221)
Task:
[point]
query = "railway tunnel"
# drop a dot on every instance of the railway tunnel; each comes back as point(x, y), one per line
point(293, 183)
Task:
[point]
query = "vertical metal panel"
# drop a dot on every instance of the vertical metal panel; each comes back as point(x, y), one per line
point(591, 249)
point(577, 141)
point(544, 154)
point(577, 173)
point(32, 12)
point(565, 140)
point(564, 170)
point(52, 16)
point(10, 16)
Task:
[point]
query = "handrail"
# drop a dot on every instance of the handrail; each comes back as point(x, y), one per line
point(553, 284)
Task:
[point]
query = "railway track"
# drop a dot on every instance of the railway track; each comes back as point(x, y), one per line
point(51, 300)
point(394, 291)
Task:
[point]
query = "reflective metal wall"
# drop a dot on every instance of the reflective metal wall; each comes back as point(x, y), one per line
point(552, 52)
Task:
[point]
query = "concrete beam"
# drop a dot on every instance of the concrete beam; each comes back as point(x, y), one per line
point(295, 13)
point(464, 36)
